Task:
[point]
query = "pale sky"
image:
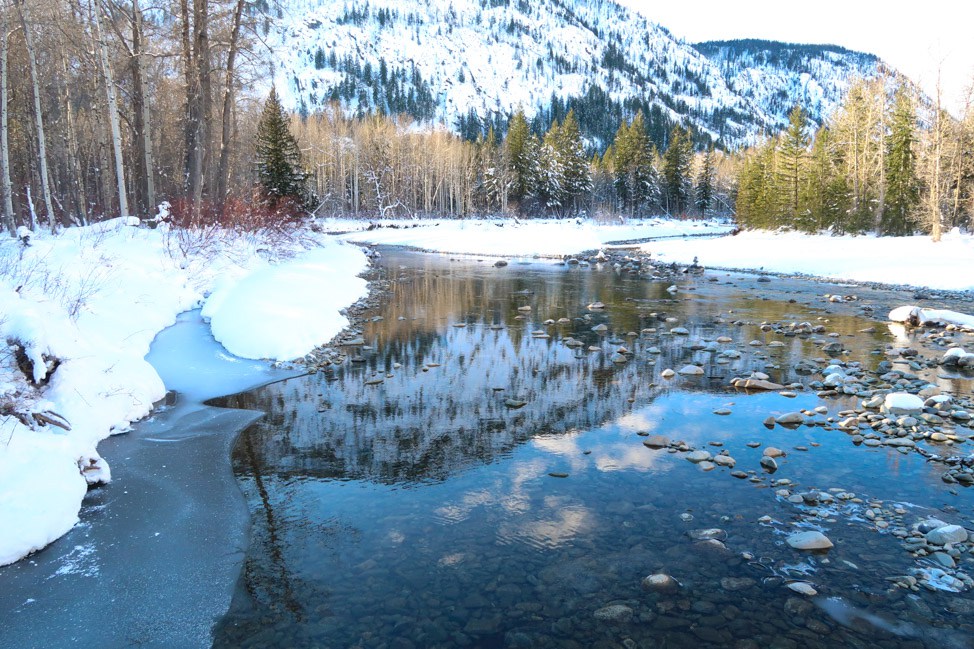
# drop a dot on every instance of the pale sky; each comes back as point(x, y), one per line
point(915, 38)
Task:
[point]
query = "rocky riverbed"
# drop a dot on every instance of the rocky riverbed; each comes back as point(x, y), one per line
point(613, 453)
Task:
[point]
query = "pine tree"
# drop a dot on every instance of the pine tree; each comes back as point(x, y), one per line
point(278, 156)
point(676, 171)
point(704, 189)
point(825, 196)
point(902, 184)
point(522, 149)
point(794, 147)
point(575, 168)
point(550, 185)
point(635, 178)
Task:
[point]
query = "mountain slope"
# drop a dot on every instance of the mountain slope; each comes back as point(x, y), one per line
point(470, 63)
point(776, 76)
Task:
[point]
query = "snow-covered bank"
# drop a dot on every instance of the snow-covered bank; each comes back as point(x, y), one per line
point(508, 237)
point(93, 298)
point(912, 261)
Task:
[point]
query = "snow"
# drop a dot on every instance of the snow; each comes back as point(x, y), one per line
point(290, 308)
point(94, 298)
point(515, 238)
point(913, 261)
point(931, 316)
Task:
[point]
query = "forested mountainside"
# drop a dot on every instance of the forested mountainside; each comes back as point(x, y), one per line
point(469, 64)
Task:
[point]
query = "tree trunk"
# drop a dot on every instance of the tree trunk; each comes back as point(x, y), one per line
point(8, 206)
point(123, 204)
point(38, 117)
point(198, 104)
point(143, 131)
point(223, 169)
point(81, 197)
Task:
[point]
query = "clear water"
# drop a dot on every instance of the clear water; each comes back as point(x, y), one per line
point(424, 511)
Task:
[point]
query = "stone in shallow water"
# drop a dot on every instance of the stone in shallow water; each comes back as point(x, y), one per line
point(803, 587)
point(947, 534)
point(660, 583)
point(771, 451)
point(691, 370)
point(791, 419)
point(902, 403)
point(706, 534)
point(810, 540)
point(614, 613)
point(699, 456)
point(736, 583)
point(667, 373)
point(656, 441)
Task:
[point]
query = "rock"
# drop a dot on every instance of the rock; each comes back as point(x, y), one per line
point(768, 464)
point(902, 403)
point(791, 419)
point(656, 441)
point(596, 306)
point(600, 327)
point(500, 263)
point(756, 384)
point(514, 403)
point(771, 451)
point(616, 613)
point(803, 587)
point(558, 474)
point(667, 373)
point(930, 524)
point(680, 331)
point(699, 456)
point(706, 466)
point(725, 460)
point(722, 411)
point(691, 370)
point(947, 534)
point(524, 308)
point(707, 534)
point(618, 358)
point(737, 583)
point(809, 541)
point(660, 583)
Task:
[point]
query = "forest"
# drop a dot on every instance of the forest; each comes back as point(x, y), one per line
point(121, 106)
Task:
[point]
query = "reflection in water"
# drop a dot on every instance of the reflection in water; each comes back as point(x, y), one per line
point(408, 499)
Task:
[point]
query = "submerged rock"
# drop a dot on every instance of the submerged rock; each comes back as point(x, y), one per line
point(947, 534)
point(810, 540)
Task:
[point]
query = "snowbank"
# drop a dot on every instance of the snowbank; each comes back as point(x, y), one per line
point(509, 237)
point(915, 261)
point(94, 298)
point(287, 310)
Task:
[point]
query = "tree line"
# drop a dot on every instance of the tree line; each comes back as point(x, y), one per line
point(887, 162)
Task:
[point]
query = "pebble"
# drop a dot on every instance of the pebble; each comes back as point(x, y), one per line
point(810, 540)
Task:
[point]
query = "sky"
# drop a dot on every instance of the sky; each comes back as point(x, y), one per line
point(937, 33)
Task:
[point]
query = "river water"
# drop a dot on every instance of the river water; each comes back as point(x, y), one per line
point(470, 480)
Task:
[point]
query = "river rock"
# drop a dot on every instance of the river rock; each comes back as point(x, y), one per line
point(790, 419)
point(660, 583)
point(691, 370)
point(947, 534)
point(902, 403)
point(803, 587)
point(810, 540)
point(616, 613)
point(725, 460)
point(667, 373)
point(771, 451)
point(656, 441)
point(736, 583)
point(699, 456)
point(707, 534)
point(768, 464)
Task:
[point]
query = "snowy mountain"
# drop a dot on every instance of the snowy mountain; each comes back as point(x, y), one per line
point(470, 63)
point(776, 76)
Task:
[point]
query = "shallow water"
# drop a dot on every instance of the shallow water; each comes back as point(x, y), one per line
point(425, 511)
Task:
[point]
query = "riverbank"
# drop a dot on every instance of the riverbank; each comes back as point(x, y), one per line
point(80, 309)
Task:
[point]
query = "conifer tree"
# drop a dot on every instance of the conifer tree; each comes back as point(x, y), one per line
point(902, 184)
point(278, 156)
point(704, 189)
point(522, 149)
point(825, 195)
point(577, 177)
point(635, 179)
point(676, 171)
point(794, 146)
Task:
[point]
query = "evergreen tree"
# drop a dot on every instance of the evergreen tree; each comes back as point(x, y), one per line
point(278, 156)
point(825, 196)
point(522, 149)
point(635, 178)
point(794, 147)
point(577, 175)
point(550, 185)
point(902, 184)
point(704, 189)
point(676, 171)
point(757, 192)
